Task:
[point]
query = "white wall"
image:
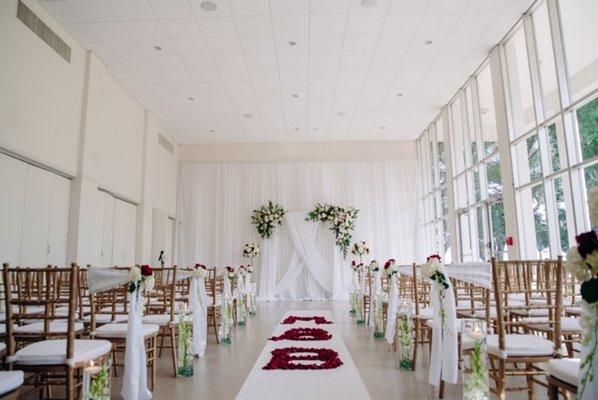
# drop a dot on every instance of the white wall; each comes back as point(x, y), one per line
point(40, 93)
point(308, 151)
point(74, 118)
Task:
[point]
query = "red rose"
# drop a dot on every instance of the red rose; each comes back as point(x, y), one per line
point(433, 256)
point(146, 270)
point(200, 266)
point(388, 263)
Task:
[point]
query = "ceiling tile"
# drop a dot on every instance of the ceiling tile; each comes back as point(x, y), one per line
point(365, 23)
point(176, 76)
point(82, 32)
point(486, 6)
point(438, 23)
point(229, 60)
point(261, 59)
point(408, 6)
point(143, 30)
point(290, 24)
point(61, 10)
point(256, 25)
point(181, 28)
point(257, 44)
point(360, 42)
point(190, 46)
point(447, 7)
point(474, 23)
point(171, 8)
point(107, 31)
point(329, 6)
point(291, 43)
point(93, 11)
point(326, 43)
point(132, 9)
point(161, 47)
point(254, 7)
point(223, 44)
point(196, 61)
point(124, 49)
point(324, 58)
point(287, 7)
point(167, 62)
point(147, 77)
point(388, 42)
point(222, 10)
point(221, 26)
point(380, 7)
point(327, 24)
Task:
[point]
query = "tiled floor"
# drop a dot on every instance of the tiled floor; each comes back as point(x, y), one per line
point(224, 369)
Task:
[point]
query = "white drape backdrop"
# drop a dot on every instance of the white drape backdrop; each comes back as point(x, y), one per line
point(216, 201)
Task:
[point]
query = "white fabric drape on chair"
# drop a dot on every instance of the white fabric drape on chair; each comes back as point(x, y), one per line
point(216, 201)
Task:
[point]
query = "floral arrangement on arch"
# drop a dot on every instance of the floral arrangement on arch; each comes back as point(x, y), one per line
point(251, 250)
point(266, 218)
point(582, 262)
point(390, 267)
point(342, 220)
point(141, 278)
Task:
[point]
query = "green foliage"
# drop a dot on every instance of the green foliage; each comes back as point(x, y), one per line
point(266, 218)
point(587, 119)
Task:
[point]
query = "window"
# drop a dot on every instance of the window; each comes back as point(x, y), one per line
point(587, 125)
point(441, 148)
point(545, 56)
point(493, 178)
point(578, 20)
point(487, 116)
point(471, 127)
point(520, 89)
point(457, 135)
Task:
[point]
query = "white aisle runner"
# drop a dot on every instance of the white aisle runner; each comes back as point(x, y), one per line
point(343, 382)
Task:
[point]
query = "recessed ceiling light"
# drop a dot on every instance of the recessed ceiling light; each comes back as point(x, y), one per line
point(295, 129)
point(191, 98)
point(212, 131)
point(248, 115)
point(209, 6)
point(399, 94)
point(369, 3)
point(428, 42)
point(292, 43)
point(381, 128)
point(341, 113)
point(158, 48)
point(295, 95)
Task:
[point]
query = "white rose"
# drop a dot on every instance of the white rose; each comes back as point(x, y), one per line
point(135, 274)
point(149, 283)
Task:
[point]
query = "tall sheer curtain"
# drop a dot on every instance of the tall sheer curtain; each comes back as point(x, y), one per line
point(216, 201)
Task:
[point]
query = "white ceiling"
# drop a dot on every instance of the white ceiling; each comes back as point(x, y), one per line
point(230, 75)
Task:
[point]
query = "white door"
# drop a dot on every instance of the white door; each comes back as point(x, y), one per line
point(13, 178)
point(34, 239)
point(107, 230)
point(125, 224)
point(59, 221)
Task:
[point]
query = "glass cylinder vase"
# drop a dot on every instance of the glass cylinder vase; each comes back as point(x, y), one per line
point(226, 317)
point(96, 380)
point(405, 335)
point(475, 363)
point(359, 301)
point(378, 316)
point(241, 310)
point(185, 348)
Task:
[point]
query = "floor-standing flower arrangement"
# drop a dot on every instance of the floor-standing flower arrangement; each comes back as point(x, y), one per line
point(405, 335)
point(377, 300)
point(241, 296)
point(342, 220)
point(474, 356)
point(251, 251)
point(226, 307)
point(185, 345)
point(434, 271)
point(359, 300)
point(391, 270)
point(582, 261)
point(266, 218)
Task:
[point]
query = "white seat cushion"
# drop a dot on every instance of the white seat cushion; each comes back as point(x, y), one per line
point(2, 346)
point(520, 345)
point(573, 310)
point(55, 327)
point(430, 324)
point(157, 319)
point(119, 331)
point(532, 312)
point(425, 313)
point(53, 352)
point(564, 369)
point(10, 380)
point(105, 318)
point(568, 324)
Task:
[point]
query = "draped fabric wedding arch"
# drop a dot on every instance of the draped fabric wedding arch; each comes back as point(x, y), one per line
point(216, 199)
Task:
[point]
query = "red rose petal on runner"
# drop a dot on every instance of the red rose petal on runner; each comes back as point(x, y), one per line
point(293, 318)
point(302, 334)
point(283, 359)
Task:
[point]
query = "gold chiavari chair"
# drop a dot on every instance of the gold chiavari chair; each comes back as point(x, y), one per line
point(111, 306)
point(563, 376)
point(50, 361)
point(508, 350)
point(367, 295)
point(422, 312)
point(161, 310)
point(214, 289)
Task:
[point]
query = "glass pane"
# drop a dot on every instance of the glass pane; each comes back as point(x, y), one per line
point(461, 191)
point(534, 158)
point(444, 199)
point(555, 153)
point(446, 241)
point(540, 221)
point(441, 151)
point(578, 18)
point(431, 158)
point(473, 143)
point(587, 122)
point(591, 176)
point(561, 210)
point(481, 223)
point(465, 237)
point(457, 135)
point(546, 60)
point(486, 100)
point(499, 230)
point(520, 88)
point(494, 178)
point(476, 185)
